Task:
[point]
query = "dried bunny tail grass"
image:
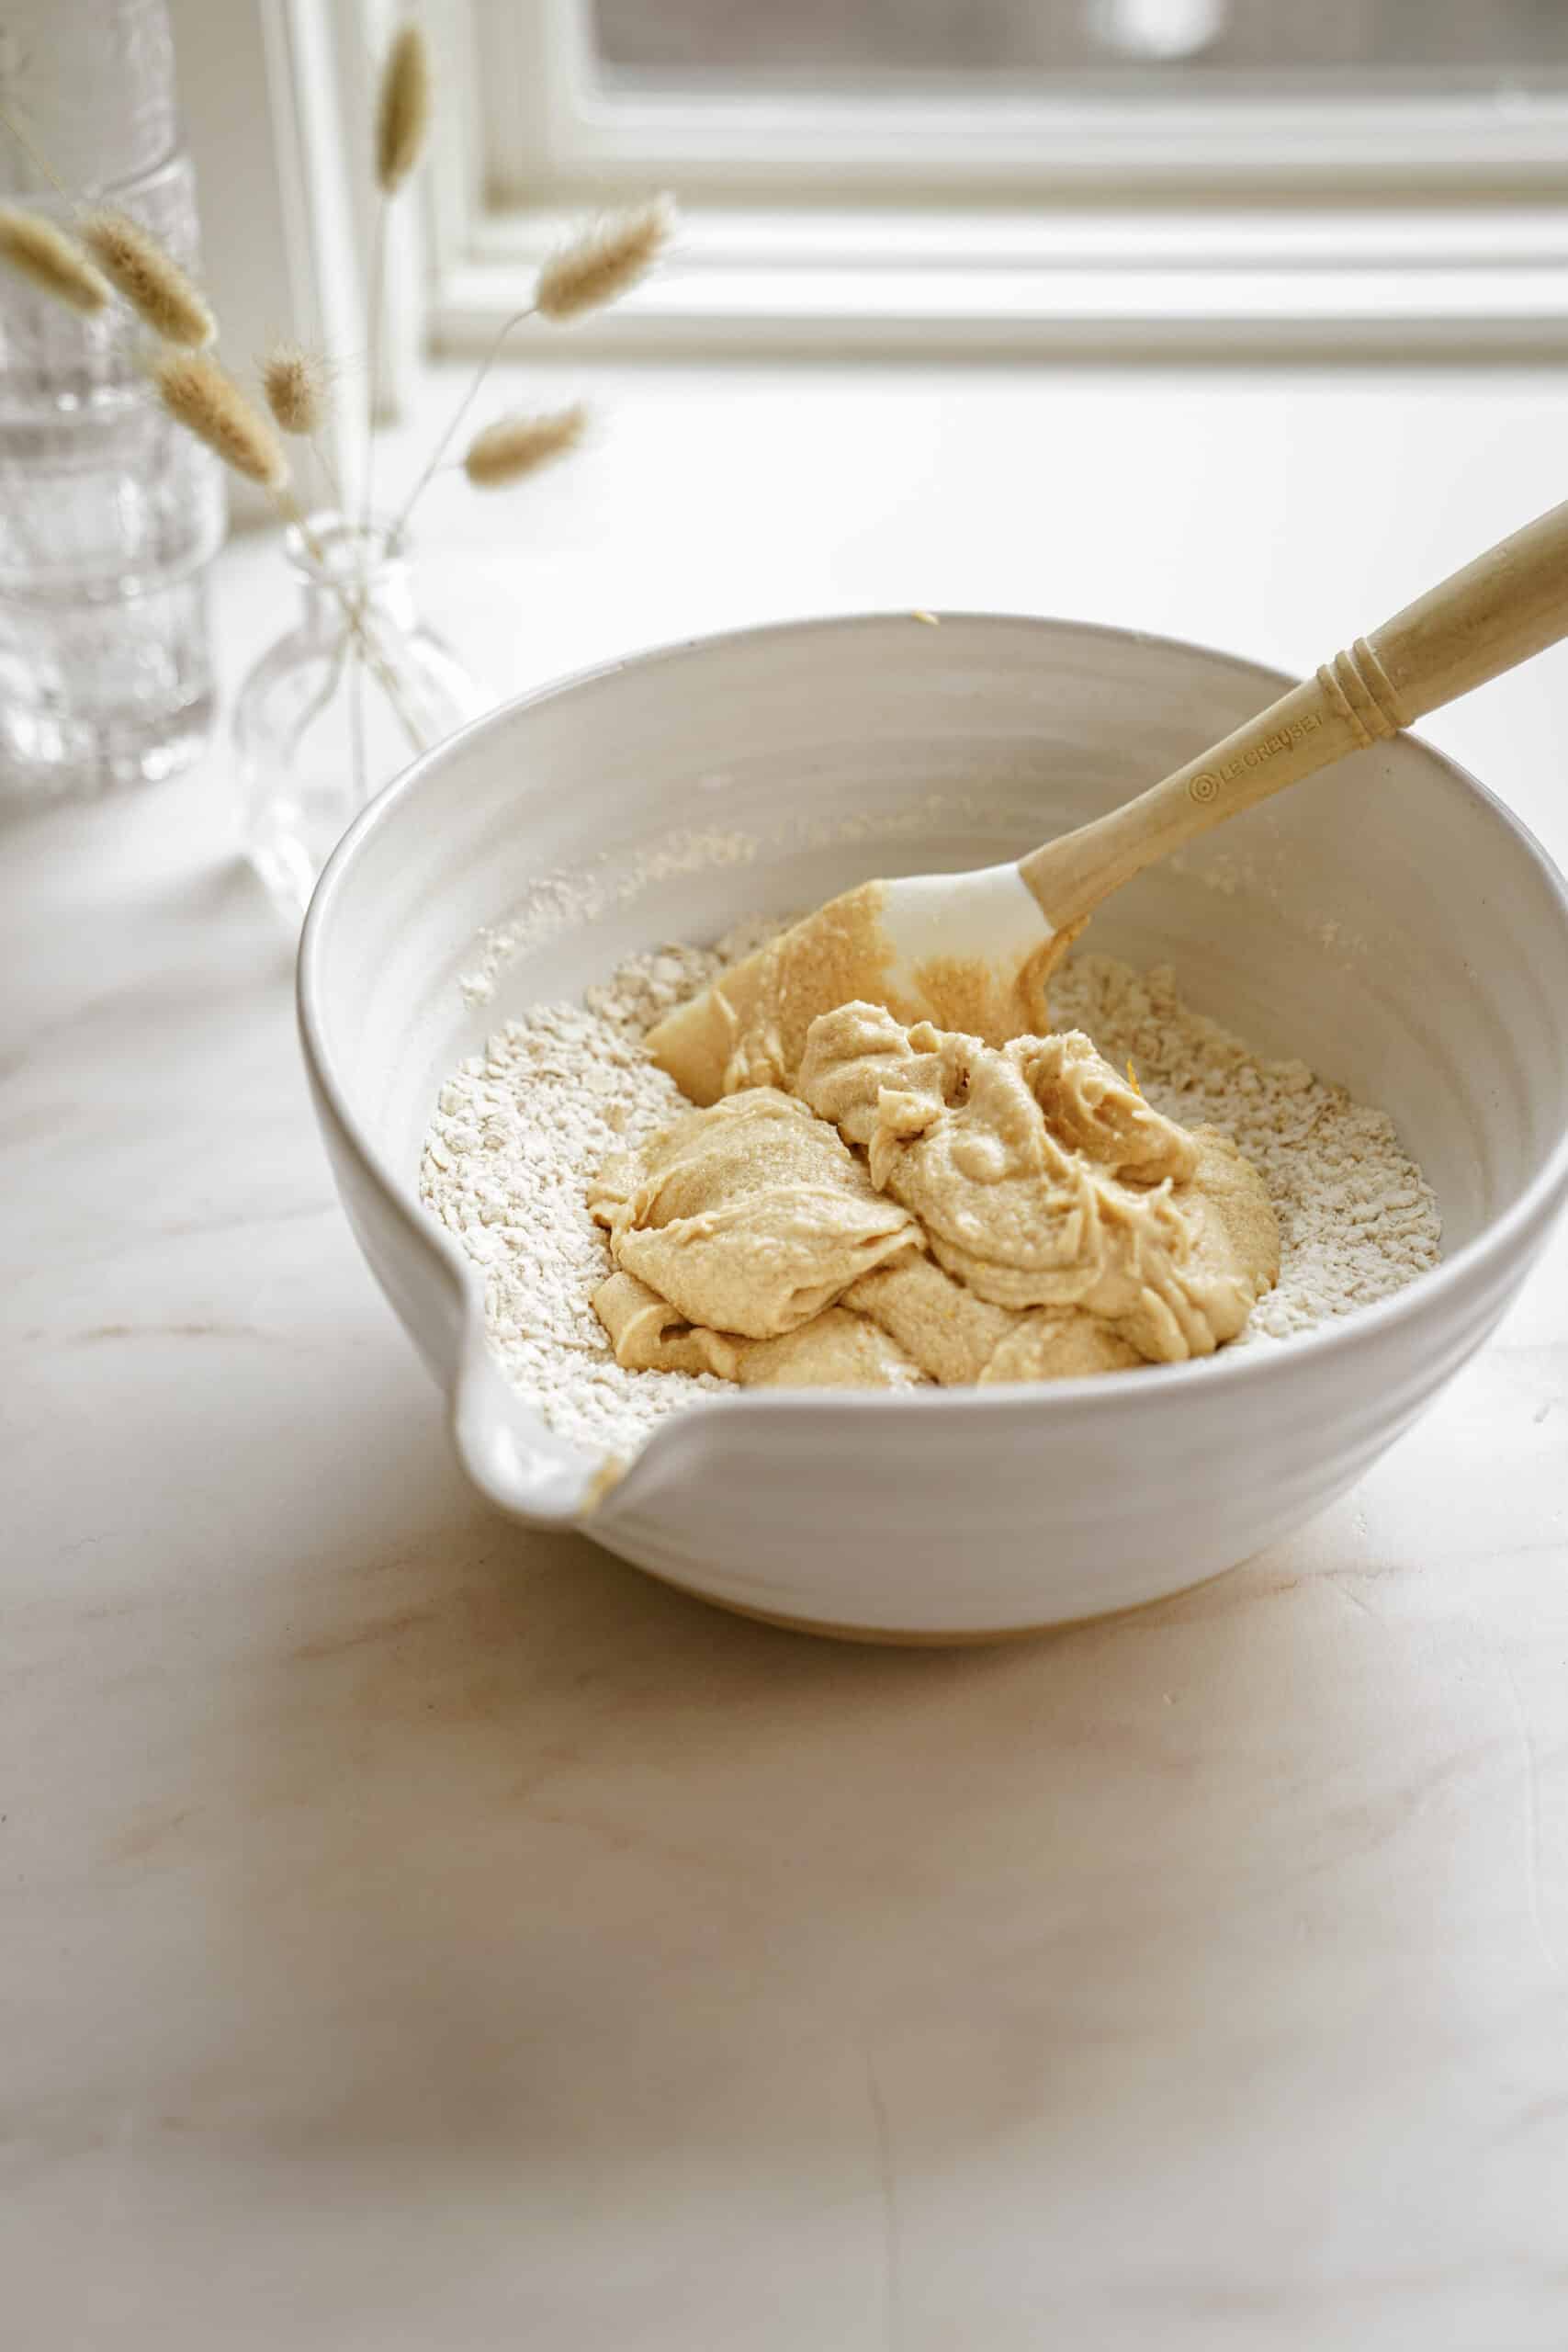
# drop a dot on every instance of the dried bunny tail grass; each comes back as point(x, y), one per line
point(198, 394)
point(605, 261)
point(515, 445)
point(43, 252)
point(402, 109)
point(298, 388)
point(146, 273)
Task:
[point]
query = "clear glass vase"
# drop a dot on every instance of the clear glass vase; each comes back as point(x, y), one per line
point(357, 689)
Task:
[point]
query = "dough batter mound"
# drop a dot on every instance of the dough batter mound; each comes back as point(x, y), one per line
point(923, 1206)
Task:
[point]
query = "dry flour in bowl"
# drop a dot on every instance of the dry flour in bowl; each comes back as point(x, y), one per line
point(520, 1130)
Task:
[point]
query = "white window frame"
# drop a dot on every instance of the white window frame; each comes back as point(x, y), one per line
point(1431, 225)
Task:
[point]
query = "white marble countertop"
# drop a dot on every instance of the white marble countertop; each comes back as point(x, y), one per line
point(419, 1933)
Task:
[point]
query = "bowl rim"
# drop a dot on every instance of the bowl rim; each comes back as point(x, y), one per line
point(1160, 1385)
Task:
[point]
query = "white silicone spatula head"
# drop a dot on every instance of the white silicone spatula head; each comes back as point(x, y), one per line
point(972, 952)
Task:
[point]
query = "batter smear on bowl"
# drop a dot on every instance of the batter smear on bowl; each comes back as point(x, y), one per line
point(919, 1207)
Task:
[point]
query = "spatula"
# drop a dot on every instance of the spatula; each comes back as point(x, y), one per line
point(973, 951)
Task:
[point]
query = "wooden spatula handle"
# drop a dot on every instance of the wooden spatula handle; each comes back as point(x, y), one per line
point(1509, 603)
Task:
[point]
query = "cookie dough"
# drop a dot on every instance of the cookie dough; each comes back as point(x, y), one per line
point(750, 1218)
point(927, 1207)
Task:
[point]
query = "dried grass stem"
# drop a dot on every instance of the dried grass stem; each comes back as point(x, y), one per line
point(402, 123)
point(142, 270)
point(204, 398)
point(297, 386)
point(517, 446)
point(455, 425)
point(42, 253)
point(605, 261)
point(403, 110)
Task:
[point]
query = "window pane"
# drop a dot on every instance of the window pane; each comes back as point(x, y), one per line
point(1298, 47)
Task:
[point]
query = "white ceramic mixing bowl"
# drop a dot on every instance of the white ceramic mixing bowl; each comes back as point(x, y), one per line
point(1389, 922)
